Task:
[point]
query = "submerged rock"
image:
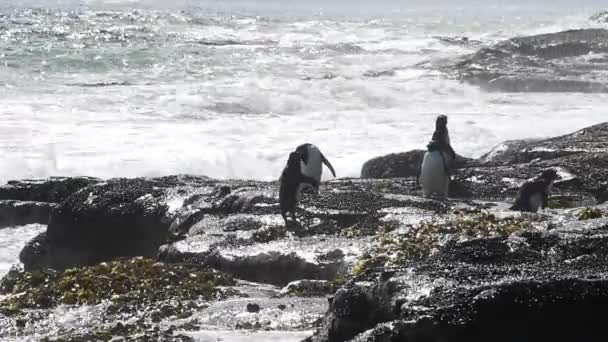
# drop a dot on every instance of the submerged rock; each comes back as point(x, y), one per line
point(568, 61)
point(601, 17)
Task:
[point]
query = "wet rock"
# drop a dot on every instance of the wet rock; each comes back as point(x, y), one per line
point(554, 62)
point(309, 288)
point(246, 200)
point(19, 213)
point(272, 268)
point(54, 189)
point(35, 253)
point(120, 218)
point(253, 308)
point(131, 284)
point(511, 287)
point(406, 164)
point(601, 17)
point(588, 140)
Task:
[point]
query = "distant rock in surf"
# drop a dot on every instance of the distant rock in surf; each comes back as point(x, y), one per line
point(569, 61)
point(600, 16)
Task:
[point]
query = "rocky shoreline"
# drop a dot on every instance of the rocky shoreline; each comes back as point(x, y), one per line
point(168, 258)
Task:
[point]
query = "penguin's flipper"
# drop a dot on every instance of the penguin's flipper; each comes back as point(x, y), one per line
point(452, 153)
point(328, 164)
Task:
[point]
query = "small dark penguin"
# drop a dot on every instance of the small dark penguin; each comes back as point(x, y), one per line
point(290, 182)
point(311, 162)
point(534, 194)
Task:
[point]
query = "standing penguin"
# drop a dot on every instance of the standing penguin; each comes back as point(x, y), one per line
point(535, 193)
point(438, 161)
point(434, 177)
point(290, 182)
point(311, 163)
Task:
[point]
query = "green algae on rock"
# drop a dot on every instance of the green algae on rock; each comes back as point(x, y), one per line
point(423, 239)
point(136, 281)
point(589, 214)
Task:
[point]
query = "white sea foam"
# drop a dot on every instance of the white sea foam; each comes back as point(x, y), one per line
point(357, 88)
point(12, 240)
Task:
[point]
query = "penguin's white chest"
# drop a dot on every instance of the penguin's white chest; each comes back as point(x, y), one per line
point(313, 167)
point(536, 201)
point(433, 177)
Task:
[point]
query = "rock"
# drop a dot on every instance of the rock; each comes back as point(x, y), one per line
point(120, 218)
point(554, 62)
point(601, 17)
point(54, 189)
point(19, 213)
point(515, 287)
point(589, 140)
point(253, 308)
point(309, 288)
point(406, 164)
point(273, 268)
point(35, 254)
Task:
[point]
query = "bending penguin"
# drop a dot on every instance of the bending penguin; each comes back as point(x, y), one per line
point(311, 163)
point(438, 162)
point(291, 181)
point(535, 193)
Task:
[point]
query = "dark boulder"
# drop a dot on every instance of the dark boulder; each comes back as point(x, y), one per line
point(54, 189)
point(18, 213)
point(120, 218)
point(35, 253)
point(405, 164)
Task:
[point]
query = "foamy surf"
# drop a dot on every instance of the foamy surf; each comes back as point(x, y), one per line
point(130, 89)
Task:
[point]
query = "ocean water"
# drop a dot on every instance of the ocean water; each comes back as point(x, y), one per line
point(227, 88)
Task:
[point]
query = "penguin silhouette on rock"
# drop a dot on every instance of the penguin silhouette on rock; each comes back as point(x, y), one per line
point(534, 194)
point(291, 181)
point(438, 162)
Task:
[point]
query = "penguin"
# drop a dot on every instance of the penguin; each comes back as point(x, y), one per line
point(291, 181)
point(311, 163)
point(442, 137)
point(535, 193)
point(434, 176)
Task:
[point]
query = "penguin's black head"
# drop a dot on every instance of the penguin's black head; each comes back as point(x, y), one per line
point(550, 175)
point(442, 121)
